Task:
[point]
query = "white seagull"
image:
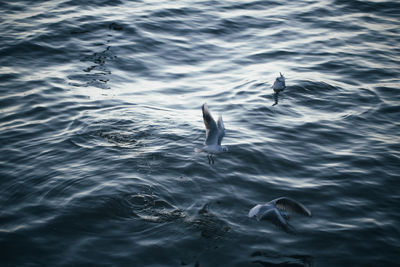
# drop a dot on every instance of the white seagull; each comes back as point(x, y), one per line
point(277, 211)
point(279, 83)
point(214, 134)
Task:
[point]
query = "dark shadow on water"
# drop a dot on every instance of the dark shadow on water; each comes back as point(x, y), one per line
point(267, 259)
point(213, 232)
point(210, 226)
point(151, 208)
point(97, 73)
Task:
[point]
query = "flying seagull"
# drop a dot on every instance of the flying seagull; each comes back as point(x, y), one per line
point(279, 84)
point(214, 134)
point(277, 211)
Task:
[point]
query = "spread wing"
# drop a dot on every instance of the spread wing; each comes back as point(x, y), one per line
point(288, 204)
point(221, 130)
point(211, 127)
point(276, 218)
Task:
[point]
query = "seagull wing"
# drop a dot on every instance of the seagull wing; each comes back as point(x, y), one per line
point(221, 130)
point(254, 211)
point(274, 216)
point(211, 127)
point(288, 204)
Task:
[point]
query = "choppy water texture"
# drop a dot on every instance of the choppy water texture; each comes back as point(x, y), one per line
point(101, 111)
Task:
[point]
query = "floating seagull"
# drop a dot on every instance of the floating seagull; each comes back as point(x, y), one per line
point(279, 84)
point(277, 211)
point(214, 134)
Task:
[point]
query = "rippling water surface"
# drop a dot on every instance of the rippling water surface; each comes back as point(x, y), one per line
point(101, 111)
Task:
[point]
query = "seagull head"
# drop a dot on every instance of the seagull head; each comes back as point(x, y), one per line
point(281, 78)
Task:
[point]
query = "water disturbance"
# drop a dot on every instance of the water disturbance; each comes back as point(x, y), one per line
point(100, 113)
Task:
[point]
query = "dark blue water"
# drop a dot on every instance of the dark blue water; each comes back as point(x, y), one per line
point(101, 111)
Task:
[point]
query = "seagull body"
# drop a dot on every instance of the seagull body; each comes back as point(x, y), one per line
point(277, 211)
point(279, 83)
point(215, 132)
point(214, 149)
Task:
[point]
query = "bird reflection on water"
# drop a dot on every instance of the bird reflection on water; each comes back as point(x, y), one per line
point(276, 98)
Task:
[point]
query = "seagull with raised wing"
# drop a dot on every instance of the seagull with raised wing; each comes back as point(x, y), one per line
point(214, 134)
point(279, 84)
point(277, 211)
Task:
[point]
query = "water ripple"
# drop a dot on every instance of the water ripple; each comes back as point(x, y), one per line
point(101, 111)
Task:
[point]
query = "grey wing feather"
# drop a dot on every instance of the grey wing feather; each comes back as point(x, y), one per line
point(211, 126)
point(221, 130)
point(260, 211)
point(288, 204)
point(276, 218)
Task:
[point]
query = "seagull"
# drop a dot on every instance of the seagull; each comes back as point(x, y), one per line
point(279, 84)
point(277, 211)
point(214, 134)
